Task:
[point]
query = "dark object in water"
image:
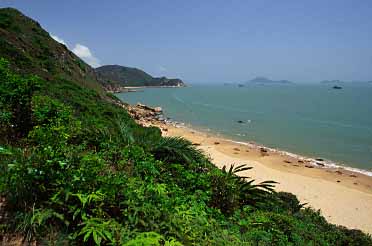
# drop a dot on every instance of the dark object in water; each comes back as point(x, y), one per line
point(337, 87)
point(240, 85)
point(319, 159)
point(240, 121)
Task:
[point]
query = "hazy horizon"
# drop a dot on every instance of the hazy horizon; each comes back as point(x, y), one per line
point(217, 41)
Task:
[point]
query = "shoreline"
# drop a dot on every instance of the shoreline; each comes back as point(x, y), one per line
point(289, 159)
point(343, 196)
point(126, 89)
point(316, 162)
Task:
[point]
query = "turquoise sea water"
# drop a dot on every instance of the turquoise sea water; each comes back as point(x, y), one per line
point(310, 120)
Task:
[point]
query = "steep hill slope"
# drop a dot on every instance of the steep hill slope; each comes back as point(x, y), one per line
point(30, 49)
point(127, 76)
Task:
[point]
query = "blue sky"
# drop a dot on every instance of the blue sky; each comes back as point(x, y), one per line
point(217, 41)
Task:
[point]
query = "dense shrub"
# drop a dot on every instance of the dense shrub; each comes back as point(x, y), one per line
point(80, 171)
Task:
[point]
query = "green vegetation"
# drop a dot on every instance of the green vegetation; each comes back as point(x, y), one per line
point(31, 50)
point(115, 75)
point(75, 169)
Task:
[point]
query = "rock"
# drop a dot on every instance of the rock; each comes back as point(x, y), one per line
point(352, 175)
point(286, 161)
point(236, 149)
point(338, 172)
point(158, 109)
point(338, 181)
point(309, 166)
point(263, 152)
point(319, 159)
point(216, 143)
point(319, 164)
point(300, 161)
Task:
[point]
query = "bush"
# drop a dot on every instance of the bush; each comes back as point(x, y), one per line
point(82, 172)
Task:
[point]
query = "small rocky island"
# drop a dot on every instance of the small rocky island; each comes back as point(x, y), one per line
point(264, 80)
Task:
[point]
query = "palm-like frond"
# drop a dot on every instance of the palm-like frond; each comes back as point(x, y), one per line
point(231, 191)
point(177, 150)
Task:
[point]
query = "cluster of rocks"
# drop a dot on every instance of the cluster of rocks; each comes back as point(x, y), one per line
point(147, 116)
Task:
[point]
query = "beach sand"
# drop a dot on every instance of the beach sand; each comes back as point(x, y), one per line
point(344, 197)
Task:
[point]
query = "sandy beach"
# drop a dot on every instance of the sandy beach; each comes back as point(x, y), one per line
point(344, 197)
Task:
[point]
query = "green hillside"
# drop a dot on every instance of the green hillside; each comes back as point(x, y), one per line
point(127, 76)
point(75, 168)
point(31, 50)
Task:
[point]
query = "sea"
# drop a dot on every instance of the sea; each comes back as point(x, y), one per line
point(311, 120)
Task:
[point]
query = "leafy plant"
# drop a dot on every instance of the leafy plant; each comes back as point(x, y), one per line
point(176, 150)
point(15, 102)
point(230, 191)
point(83, 172)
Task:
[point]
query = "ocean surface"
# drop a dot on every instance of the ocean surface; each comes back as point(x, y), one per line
point(311, 120)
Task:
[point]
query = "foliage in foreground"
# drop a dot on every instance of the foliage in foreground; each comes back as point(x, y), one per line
point(79, 171)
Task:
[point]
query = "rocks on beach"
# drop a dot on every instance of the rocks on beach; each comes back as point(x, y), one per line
point(264, 151)
point(146, 116)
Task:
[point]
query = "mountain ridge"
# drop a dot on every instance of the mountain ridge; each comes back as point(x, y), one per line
point(122, 76)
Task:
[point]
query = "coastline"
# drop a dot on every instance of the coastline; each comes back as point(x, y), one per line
point(343, 196)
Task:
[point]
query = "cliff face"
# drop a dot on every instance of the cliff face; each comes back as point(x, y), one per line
point(31, 50)
point(115, 75)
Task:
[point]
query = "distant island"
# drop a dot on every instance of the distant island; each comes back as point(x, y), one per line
point(114, 77)
point(336, 81)
point(263, 80)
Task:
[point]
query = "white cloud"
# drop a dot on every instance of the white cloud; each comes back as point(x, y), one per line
point(59, 40)
point(84, 53)
point(81, 51)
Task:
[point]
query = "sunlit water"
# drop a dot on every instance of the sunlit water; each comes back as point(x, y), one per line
point(311, 120)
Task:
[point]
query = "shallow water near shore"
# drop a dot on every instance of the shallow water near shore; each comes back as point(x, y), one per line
point(310, 120)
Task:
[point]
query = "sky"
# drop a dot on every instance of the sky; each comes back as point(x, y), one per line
point(216, 41)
